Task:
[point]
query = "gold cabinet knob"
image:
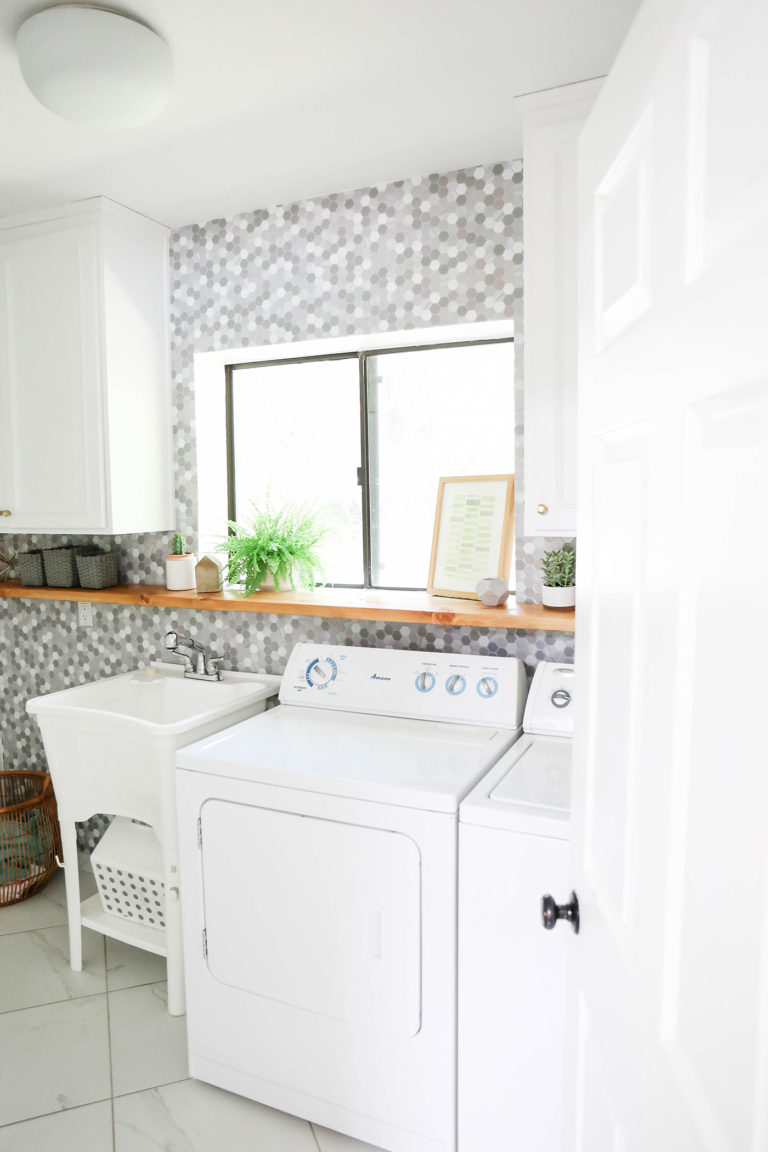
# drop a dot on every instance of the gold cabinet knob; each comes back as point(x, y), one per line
point(5, 512)
point(542, 509)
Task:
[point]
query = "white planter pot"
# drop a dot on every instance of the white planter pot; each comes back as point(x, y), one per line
point(180, 572)
point(558, 597)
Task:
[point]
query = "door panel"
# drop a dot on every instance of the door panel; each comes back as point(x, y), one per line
point(668, 1025)
point(50, 399)
point(314, 913)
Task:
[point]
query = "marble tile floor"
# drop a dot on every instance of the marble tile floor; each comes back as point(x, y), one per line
point(91, 1061)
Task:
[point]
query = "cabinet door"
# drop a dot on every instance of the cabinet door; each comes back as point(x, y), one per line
point(551, 128)
point(51, 428)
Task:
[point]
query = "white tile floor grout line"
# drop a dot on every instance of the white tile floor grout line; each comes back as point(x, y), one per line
point(109, 1051)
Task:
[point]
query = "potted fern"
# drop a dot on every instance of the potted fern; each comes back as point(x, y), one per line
point(275, 547)
point(559, 577)
point(179, 565)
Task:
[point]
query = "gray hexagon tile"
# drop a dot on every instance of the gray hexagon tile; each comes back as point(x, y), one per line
point(436, 250)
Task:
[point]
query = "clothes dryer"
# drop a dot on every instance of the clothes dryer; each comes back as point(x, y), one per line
point(318, 851)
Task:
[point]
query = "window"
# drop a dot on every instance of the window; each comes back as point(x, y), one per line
point(367, 436)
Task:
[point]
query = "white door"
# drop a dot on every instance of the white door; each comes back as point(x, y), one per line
point(668, 1030)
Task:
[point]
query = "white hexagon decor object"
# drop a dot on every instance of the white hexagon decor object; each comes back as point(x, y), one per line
point(493, 591)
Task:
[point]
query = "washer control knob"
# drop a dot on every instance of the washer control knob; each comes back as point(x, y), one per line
point(425, 682)
point(487, 686)
point(455, 685)
point(561, 698)
point(320, 673)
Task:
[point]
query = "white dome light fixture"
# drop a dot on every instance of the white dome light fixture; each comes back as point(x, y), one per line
point(95, 67)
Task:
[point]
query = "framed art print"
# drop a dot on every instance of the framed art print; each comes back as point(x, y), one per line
point(473, 534)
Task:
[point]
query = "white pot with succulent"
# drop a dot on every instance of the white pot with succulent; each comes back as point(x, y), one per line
point(558, 588)
point(179, 566)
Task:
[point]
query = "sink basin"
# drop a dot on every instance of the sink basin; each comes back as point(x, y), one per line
point(111, 748)
point(158, 701)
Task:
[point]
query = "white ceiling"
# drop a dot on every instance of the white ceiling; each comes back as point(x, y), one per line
point(278, 100)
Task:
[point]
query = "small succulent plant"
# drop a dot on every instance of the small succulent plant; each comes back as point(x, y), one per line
point(559, 567)
point(178, 545)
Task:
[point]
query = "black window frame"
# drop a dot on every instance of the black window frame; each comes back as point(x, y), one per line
point(364, 468)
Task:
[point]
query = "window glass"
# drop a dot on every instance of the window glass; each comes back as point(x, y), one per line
point(296, 433)
point(432, 413)
point(296, 438)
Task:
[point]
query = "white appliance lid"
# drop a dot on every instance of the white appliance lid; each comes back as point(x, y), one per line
point(540, 776)
point(529, 790)
point(414, 763)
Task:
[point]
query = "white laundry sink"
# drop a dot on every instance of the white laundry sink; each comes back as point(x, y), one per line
point(158, 701)
point(111, 747)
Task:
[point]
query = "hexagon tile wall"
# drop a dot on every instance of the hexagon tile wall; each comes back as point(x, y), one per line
point(443, 249)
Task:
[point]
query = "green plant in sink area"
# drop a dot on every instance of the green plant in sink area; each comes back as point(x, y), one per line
point(282, 545)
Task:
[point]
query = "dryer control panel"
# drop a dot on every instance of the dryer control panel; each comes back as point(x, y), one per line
point(481, 690)
point(549, 711)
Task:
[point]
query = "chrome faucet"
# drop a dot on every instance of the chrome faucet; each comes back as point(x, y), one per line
point(200, 664)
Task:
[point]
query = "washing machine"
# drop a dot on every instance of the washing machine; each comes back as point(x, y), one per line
point(318, 848)
point(514, 848)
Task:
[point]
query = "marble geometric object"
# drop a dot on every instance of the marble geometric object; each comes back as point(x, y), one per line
point(493, 591)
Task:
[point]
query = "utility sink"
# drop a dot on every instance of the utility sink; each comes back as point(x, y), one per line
point(111, 748)
point(159, 701)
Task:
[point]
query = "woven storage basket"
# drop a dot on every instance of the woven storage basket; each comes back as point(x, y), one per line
point(30, 568)
point(96, 569)
point(29, 834)
point(61, 565)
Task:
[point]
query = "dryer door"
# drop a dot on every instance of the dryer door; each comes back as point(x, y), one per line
point(322, 915)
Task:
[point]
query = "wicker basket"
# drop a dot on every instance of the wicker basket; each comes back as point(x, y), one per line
point(29, 565)
point(96, 569)
point(60, 566)
point(29, 834)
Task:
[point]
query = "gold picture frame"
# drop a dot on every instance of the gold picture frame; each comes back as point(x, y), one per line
point(473, 534)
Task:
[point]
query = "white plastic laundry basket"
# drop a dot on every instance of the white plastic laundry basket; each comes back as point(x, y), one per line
point(128, 866)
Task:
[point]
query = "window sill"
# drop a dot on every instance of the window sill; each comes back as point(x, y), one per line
point(336, 603)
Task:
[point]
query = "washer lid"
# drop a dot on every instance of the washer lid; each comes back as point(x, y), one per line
point(529, 790)
point(539, 778)
point(414, 763)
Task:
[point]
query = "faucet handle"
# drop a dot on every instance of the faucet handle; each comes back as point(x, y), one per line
point(212, 665)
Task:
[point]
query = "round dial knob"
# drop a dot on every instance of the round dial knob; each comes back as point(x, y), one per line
point(425, 681)
point(561, 698)
point(487, 686)
point(321, 673)
point(455, 685)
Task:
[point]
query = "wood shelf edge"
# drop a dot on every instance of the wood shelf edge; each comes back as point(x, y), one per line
point(333, 603)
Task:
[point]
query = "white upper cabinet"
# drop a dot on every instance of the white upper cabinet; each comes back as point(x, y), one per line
point(551, 125)
point(85, 438)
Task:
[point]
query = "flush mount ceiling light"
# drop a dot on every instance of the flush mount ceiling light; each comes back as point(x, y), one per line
point(95, 67)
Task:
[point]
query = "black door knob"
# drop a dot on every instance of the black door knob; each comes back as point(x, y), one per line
point(551, 912)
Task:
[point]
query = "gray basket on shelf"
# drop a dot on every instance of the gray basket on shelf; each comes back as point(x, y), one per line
point(97, 569)
point(60, 567)
point(29, 566)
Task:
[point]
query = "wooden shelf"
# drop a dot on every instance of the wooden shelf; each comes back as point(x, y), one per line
point(337, 603)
